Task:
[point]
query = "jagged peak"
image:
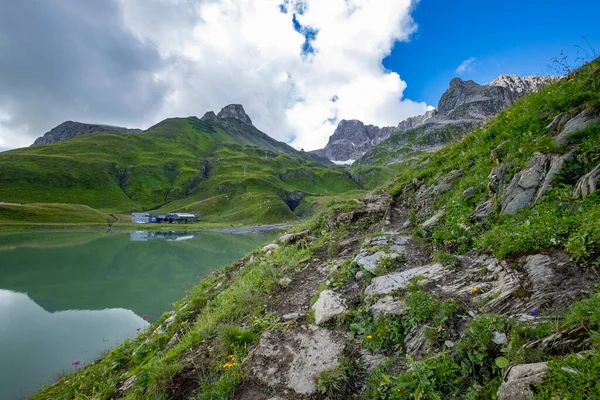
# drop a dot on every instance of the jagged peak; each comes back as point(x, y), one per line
point(235, 111)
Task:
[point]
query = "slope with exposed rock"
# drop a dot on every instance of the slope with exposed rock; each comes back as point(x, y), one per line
point(431, 287)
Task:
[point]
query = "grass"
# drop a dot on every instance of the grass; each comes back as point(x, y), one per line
point(180, 164)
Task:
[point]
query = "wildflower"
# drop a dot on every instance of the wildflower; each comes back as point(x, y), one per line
point(81, 386)
point(535, 212)
point(474, 290)
point(76, 362)
point(232, 358)
point(533, 313)
point(486, 127)
point(370, 337)
point(138, 329)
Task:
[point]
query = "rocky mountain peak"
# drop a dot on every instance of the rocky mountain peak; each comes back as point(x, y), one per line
point(235, 111)
point(70, 129)
point(521, 85)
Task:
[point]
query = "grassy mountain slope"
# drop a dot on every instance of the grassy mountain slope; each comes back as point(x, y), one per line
point(180, 163)
point(469, 345)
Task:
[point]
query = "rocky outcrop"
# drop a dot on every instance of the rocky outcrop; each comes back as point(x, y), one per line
point(468, 100)
point(588, 183)
point(235, 111)
point(352, 139)
point(521, 85)
point(520, 380)
point(71, 129)
point(530, 184)
point(589, 117)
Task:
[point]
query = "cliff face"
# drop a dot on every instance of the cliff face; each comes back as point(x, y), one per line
point(461, 107)
point(71, 129)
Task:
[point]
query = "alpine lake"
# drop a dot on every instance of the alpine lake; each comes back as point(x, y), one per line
point(66, 297)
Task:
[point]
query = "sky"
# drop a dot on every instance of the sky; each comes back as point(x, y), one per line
point(297, 66)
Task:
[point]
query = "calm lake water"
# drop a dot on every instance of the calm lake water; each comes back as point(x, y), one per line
point(70, 295)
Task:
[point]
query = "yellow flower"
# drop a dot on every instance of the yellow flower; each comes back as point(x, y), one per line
point(81, 386)
point(474, 290)
point(369, 337)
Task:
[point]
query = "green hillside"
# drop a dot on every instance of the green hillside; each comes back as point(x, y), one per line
point(504, 280)
point(179, 164)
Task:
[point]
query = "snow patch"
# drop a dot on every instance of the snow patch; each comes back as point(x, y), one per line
point(346, 162)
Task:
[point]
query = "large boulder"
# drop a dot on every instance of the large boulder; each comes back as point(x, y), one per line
point(519, 381)
point(293, 359)
point(329, 305)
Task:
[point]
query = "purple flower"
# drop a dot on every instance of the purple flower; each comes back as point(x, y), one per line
point(76, 362)
point(535, 212)
point(138, 329)
point(212, 380)
point(533, 313)
point(486, 127)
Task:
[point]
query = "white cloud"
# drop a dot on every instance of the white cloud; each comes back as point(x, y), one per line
point(216, 52)
point(248, 52)
point(466, 66)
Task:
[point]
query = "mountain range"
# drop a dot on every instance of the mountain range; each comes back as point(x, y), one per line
point(461, 108)
point(219, 165)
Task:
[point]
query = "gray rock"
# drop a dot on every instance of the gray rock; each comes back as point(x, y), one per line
point(484, 210)
point(359, 275)
point(235, 111)
point(522, 85)
point(415, 339)
point(173, 341)
point(292, 316)
point(530, 184)
point(128, 384)
point(498, 179)
point(270, 248)
point(293, 237)
point(539, 271)
point(294, 359)
point(402, 240)
point(499, 338)
point(398, 280)
point(519, 381)
point(371, 360)
point(369, 261)
point(387, 306)
point(587, 184)
point(431, 222)
point(449, 344)
point(470, 192)
point(329, 305)
point(70, 129)
point(587, 118)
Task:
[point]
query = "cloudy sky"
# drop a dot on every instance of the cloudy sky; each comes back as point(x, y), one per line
point(297, 66)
